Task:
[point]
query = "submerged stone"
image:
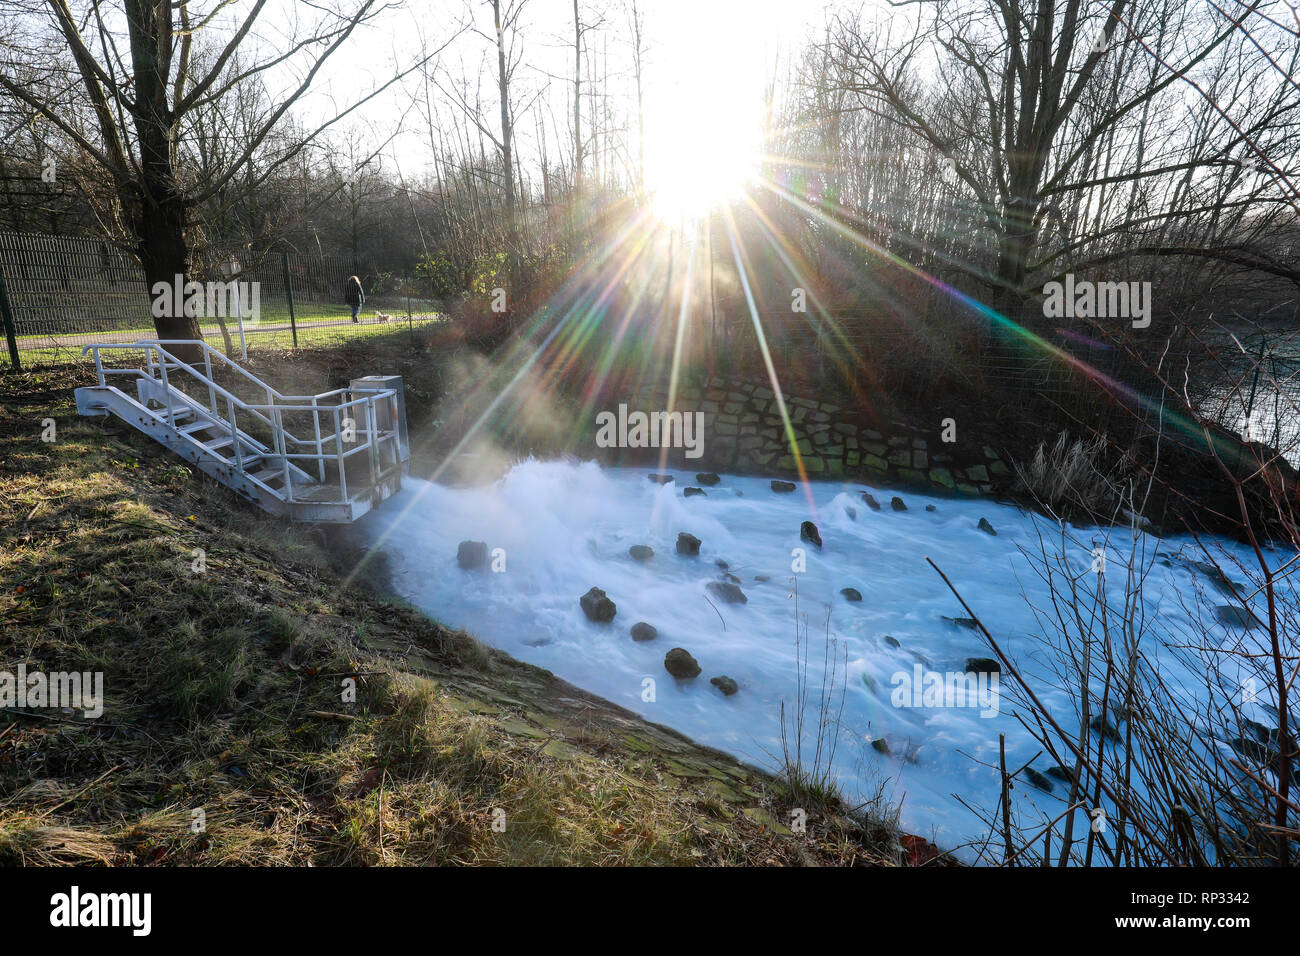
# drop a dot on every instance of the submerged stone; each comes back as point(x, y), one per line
point(597, 606)
point(472, 554)
point(725, 684)
point(726, 591)
point(680, 664)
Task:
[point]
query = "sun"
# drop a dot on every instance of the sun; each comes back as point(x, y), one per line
point(702, 148)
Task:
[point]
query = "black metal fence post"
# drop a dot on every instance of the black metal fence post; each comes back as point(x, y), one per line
point(11, 333)
point(288, 291)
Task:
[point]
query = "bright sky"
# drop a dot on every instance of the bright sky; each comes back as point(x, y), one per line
point(707, 64)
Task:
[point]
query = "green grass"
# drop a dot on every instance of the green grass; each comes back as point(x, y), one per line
point(32, 354)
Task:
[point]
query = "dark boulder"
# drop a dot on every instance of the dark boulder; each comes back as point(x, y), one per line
point(597, 606)
point(660, 479)
point(1038, 780)
point(680, 664)
point(727, 592)
point(1106, 729)
point(897, 503)
point(783, 487)
point(472, 554)
point(983, 665)
point(1062, 774)
point(688, 544)
point(1234, 616)
point(641, 631)
point(808, 532)
point(694, 493)
point(725, 684)
point(870, 501)
point(851, 594)
point(986, 527)
point(707, 478)
point(641, 552)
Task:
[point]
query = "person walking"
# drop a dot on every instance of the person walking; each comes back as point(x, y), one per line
point(355, 296)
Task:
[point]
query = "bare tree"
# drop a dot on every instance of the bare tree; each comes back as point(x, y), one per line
point(140, 85)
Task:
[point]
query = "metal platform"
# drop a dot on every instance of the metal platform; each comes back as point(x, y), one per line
point(355, 456)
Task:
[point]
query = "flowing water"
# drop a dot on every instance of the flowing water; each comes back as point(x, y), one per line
point(564, 527)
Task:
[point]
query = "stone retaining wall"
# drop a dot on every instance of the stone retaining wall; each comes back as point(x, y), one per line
point(743, 433)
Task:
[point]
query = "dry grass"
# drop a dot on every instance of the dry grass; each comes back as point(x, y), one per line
point(223, 694)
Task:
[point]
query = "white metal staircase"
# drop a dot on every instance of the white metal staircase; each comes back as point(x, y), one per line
point(354, 458)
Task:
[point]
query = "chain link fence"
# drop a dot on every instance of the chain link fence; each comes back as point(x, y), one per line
point(61, 293)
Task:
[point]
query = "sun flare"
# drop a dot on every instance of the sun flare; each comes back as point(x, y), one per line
point(704, 151)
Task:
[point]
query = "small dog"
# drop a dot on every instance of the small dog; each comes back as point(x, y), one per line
point(383, 317)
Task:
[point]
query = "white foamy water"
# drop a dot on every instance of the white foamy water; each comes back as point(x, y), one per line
point(565, 527)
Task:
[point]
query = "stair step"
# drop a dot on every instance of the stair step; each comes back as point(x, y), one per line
point(199, 426)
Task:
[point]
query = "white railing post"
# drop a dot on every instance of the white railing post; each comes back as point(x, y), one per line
point(338, 454)
point(167, 389)
point(212, 390)
point(315, 420)
point(234, 436)
point(372, 421)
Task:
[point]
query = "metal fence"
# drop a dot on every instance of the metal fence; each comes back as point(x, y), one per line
point(61, 293)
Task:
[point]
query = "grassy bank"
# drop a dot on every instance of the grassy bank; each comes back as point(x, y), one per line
point(226, 637)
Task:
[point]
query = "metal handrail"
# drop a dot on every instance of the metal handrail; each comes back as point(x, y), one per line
point(270, 414)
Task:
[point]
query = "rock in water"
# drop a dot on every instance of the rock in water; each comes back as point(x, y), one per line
point(897, 503)
point(726, 591)
point(851, 594)
point(680, 664)
point(1234, 616)
point(1060, 773)
point(660, 479)
point(687, 544)
point(707, 478)
point(986, 527)
point(983, 665)
point(784, 487)
point(1038, 780)
point(641, 552)
point(472, 554)
point(725, 684)
point(641, 631)
point(597, 606)
point(930, 508)
point(808, 532)
point(870, 501)
point(693, 492)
